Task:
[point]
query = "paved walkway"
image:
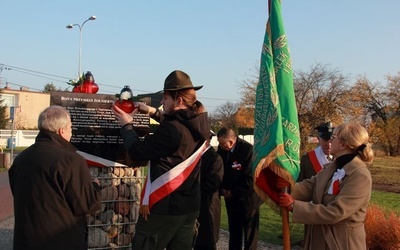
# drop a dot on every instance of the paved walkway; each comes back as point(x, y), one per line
point(6, 234)
point(6, 213)
point(6, 204)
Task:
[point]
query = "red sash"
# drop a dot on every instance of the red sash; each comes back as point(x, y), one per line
point(314, 161)
point(169, 181)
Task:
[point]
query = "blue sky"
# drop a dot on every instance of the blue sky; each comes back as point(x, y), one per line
point(217, 42)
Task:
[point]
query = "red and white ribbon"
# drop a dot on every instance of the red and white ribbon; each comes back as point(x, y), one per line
point(171, 180)
point(336, 178)
point(96, 161)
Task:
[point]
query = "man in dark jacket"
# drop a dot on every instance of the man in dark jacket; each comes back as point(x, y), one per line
point(241, 201)
point(313, 161)
point(212, 171)
point(171, 196)
point(52, 188)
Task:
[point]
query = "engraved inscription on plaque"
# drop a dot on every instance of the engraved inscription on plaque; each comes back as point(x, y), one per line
point(94, 127)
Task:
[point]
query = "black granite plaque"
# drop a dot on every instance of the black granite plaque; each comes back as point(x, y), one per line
point(94, 128)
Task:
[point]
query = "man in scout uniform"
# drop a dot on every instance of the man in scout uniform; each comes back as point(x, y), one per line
point(171, 196)
point(313, 161)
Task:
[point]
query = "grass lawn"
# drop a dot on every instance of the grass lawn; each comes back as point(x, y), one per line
point(385, 173)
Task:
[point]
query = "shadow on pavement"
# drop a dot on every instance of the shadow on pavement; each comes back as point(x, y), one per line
point(6, 234)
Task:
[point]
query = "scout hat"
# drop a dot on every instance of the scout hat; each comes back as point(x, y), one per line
point(178, 80)
point(325, 130)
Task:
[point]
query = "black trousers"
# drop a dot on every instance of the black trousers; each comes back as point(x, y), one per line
point(165, 231)
point(243, 225)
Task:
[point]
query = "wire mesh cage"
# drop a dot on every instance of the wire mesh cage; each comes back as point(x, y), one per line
point(113, 226)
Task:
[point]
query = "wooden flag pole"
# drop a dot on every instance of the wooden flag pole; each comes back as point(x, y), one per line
point(285, 224)
point(285, 228)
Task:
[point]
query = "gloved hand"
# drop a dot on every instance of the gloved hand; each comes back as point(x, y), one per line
point(282, 183)
point(286, 200)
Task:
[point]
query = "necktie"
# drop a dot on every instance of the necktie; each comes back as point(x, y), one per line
point(228, 156)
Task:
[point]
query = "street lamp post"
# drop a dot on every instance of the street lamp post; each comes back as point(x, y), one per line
point(1, 70)
point(70, 26)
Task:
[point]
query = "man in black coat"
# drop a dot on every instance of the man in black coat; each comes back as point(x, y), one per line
point(211, 173)
point(242, 202)
point(52, 188)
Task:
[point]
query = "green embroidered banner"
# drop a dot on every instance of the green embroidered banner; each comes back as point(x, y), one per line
point(276, 133)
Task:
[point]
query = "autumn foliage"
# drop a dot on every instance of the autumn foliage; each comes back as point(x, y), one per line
point(382, 229)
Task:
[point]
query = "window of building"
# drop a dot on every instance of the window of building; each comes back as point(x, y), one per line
point(8, 100)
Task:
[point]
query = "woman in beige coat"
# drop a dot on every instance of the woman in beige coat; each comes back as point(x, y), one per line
point(334, 201)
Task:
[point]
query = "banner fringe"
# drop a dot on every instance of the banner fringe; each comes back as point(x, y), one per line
point(268, 162)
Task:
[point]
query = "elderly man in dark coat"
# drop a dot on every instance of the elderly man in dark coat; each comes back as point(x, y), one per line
point(52, 188)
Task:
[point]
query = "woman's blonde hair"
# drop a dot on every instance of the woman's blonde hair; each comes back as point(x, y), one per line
point(356, 137)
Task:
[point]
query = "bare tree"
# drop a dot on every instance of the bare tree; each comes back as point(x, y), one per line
point(3, 114)
point(393, 94)
point(50, 87)
point(248, 88)
point(244, 117)
point(321, 95)
point(365, 99)
point(381, 108)
point(226, 113)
